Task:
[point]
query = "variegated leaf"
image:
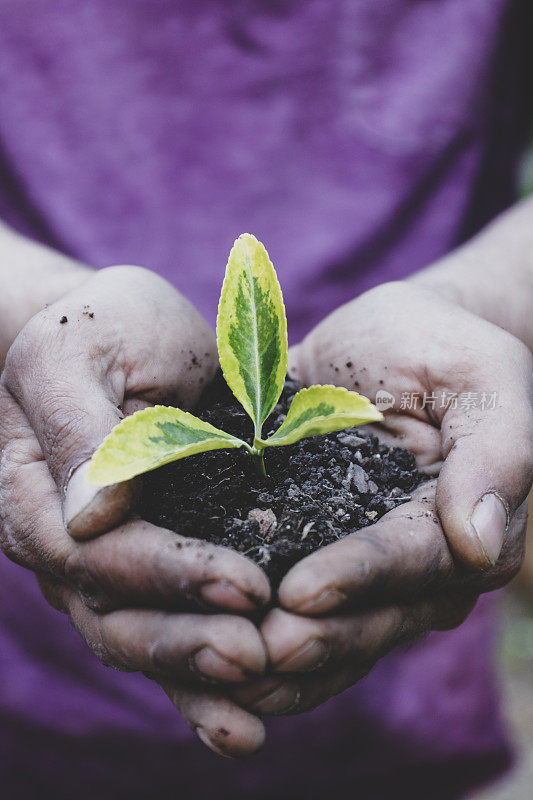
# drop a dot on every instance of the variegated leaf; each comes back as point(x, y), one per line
point(323, 409)
point(252, 330)
point(150, 438)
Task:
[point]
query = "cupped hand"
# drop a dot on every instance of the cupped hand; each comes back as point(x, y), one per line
point(138, 594)
point(423, 565)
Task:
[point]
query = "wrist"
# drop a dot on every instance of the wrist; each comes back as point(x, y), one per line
point(453, 278)
point(31, 277)
point(492, 274)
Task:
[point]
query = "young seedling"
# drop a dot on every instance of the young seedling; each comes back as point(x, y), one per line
point(252, 348)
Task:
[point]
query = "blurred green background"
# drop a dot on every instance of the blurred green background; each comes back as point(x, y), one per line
point(515, 655)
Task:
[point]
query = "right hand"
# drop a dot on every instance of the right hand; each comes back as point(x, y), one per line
point(136, 594)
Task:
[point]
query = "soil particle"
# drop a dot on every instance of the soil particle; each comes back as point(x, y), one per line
point(317, 490)
point(266, 519)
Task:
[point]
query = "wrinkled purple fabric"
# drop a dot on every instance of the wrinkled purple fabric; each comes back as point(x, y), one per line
point(360, 141)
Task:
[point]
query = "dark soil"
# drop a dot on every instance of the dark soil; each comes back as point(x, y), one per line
point(316, 492)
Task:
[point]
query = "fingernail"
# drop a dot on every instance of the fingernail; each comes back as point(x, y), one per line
point(79, 495)
point(206, 739)
point(280, 700)
point(312, 655)
point(89, 510)
point(210, 665)
point(326, 601)
point(489, 520)
point(224, 593)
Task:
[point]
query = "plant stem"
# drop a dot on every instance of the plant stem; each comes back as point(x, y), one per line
point(259, 459)
point(258, 452)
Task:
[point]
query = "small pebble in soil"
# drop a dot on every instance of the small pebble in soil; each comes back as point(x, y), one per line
point(317, 490)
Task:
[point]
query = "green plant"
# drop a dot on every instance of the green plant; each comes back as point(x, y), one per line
point(252, 348)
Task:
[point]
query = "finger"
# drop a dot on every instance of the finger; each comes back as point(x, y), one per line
point(418, 436)
point(73, 365)
point(293, 363)
point(341, 650)
point(401, 556)
point(299, 644)
point(295, 694)
point(220, 723)
point(32, 531)
point(396, 430)
point(137, 563)
point(180, 646)
point(70, 405)
point(488, 466)
point(318, 658)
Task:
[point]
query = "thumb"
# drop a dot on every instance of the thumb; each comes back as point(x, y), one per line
point(486, 476)
point(71, 408)
point(73, 379)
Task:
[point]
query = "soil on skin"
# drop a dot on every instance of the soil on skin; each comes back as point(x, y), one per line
point(317, 490)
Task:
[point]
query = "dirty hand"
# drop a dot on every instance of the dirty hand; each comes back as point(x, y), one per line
point(423, 565)
point(122, 340)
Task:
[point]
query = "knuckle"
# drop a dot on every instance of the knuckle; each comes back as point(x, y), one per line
point(10, 462)
point(53, 592)
point(98, 640)
point(17, 536)
point(15, 544)
point(12, 457)
point(73, 567)
point(78, 574)
point(101, 652)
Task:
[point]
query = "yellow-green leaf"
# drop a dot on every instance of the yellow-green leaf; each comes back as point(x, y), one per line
point(150, 438)
point(252, 329)
point(323, 409)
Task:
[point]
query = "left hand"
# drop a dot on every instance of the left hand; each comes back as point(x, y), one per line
point(423, 565)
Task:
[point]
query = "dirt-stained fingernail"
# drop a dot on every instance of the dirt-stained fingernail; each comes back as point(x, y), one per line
point(312, 655)
point(226, 594)
point(212, 666)
point(328, 600)
point(209, 742)
point(280, 700)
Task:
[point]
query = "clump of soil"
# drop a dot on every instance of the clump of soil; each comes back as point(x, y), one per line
point(317, 490)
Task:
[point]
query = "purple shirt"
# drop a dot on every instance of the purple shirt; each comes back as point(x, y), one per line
point(357, 139)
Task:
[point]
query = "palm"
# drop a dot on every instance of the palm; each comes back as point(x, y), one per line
point(372, 590)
